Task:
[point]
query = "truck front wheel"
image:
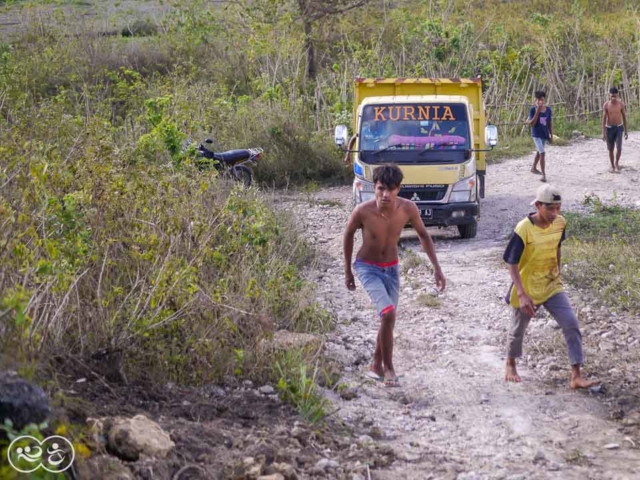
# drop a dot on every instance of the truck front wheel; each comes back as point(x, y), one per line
point(469, 230)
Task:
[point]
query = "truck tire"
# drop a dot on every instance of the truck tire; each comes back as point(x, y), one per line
point(469, 230)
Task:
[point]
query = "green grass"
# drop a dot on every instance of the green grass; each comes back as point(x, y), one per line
point(602, 254)
point(590, 127)
point(575, 456)
point(510, 147)
point(330, 203)
point(426, 300)
point(410, 260)
point(298, 386)
point(604, 222)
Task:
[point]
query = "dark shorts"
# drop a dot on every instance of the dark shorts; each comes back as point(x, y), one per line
point(614, 136)
point(381, 282)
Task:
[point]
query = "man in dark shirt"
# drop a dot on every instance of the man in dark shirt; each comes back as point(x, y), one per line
point(541, 131)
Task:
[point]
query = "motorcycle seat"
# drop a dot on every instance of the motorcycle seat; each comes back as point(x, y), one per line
point(232, 156)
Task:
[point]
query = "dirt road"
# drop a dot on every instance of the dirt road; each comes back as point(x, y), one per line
point(455, 417)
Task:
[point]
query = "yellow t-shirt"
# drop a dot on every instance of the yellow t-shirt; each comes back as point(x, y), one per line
point(535, 251)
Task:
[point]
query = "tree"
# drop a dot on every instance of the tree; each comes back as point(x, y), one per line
point(311, 11)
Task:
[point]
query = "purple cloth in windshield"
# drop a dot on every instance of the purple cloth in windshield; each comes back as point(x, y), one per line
point(439, 140)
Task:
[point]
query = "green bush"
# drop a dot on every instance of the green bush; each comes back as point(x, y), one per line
point(602, 256)
point(121, 247)
point(299, 388)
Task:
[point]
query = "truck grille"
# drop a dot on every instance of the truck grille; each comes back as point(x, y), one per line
point(428, 194)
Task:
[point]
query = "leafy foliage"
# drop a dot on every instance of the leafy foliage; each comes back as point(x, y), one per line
point(128, 248)
point(8, 433)
point(298, 388)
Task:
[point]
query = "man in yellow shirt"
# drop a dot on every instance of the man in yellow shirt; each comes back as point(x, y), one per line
point(534, 259)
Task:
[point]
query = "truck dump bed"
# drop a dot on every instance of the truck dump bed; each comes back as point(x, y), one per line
point(471, 88)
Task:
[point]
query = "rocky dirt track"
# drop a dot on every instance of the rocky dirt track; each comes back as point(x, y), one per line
point(455, 417)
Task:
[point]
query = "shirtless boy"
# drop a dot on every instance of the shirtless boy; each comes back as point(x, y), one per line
point(382, 220)
point(534, 259)
point(614, 125)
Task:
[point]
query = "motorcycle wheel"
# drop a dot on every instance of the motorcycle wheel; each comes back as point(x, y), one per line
point(242, 175)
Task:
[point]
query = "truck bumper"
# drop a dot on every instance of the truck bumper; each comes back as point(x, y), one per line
point(449, 214)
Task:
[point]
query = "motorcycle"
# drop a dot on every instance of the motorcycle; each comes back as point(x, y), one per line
point(232, 165)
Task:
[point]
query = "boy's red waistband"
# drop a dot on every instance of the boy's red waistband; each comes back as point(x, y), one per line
point(393, 263)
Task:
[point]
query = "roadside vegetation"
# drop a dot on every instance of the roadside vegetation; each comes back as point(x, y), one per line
point(511, 146)
point(602, 254)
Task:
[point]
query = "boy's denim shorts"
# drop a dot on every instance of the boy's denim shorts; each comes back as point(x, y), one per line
point(540, 143)
point(381, 282)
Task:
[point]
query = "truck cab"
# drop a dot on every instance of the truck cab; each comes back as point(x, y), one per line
point(432, 137)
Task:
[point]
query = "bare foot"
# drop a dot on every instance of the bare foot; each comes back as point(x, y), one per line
point(579, 382)
point(544, 178)
point(511, 374)
point(391, 379)
point(536, 171)
point(392, 382)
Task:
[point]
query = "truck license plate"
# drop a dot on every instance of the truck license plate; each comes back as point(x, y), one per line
point(426, 212)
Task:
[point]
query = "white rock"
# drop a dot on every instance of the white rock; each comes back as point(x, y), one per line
point(554, 467)
point(468, 476)
point(325, 463)
point(540, 457)
point(612, 446)
point(274, 476)
point(267, 389)
point(130, 437)
point(552, 324)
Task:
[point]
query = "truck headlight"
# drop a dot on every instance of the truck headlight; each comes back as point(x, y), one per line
point(464, 191)
point(364, 190)
point(364, 196)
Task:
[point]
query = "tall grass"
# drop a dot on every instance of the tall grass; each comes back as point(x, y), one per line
point(244, 67)
point(116, 250)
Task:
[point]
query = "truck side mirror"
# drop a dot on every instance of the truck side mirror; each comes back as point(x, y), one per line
point(341, 136)
point(491, 135)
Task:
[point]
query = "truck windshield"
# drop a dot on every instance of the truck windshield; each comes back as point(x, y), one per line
point(414, 133)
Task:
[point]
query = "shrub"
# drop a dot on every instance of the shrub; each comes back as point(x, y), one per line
point(601, 253)
point(299, 388)
point(130, 257)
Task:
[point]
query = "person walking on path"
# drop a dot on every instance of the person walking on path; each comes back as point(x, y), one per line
point(541, 132)
point(382, 220)
point(534, 258)
point(614, 126)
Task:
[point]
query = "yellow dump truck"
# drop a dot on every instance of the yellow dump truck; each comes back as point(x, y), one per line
point(434, 130)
